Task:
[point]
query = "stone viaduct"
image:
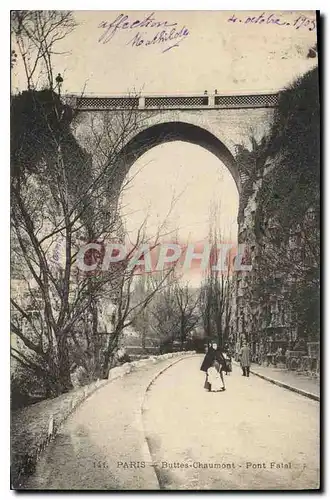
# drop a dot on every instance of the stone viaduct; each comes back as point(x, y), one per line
point(215, 122)
point(218, 123)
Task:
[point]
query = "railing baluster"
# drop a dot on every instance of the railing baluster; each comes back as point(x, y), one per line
point(173, 102)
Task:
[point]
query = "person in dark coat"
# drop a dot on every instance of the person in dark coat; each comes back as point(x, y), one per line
point(208, 358)
point(213, 354)
point(207, 363)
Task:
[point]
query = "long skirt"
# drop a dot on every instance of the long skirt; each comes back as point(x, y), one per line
point(216, 385)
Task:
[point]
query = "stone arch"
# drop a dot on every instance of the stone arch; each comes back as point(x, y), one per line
point(161, 133)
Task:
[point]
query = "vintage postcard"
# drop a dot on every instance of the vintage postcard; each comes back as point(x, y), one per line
point(165, 250)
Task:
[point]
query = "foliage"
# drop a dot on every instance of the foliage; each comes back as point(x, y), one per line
point(26, 388)
point(293, 186)
point(39, 123)
point(287, 216)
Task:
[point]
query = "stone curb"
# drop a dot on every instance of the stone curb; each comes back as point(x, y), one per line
point(184, 355)
point(289, 387)
point(146, 448)
point(30, 457)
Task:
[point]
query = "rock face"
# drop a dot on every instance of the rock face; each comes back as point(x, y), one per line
point(261, 314)
point(277, 303)
point(245, 307)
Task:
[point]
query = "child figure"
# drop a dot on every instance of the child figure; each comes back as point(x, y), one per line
point(213, 377)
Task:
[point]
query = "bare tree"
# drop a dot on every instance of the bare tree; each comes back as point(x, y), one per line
point(49, 209)
point(66, 189)
point(57, 188)
point(35, 35)
point(217, 289)
point(173, 313)
point(130, 305)
point(187, 302)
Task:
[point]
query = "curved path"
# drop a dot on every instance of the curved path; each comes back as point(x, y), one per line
point(242, 438)
point(102, 445)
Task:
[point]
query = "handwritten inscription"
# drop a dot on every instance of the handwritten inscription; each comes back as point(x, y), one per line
point(300, 22)
point(165, 33)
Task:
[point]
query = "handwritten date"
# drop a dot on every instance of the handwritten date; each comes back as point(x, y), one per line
point(300, 22)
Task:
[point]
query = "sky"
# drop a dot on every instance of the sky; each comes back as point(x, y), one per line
point(191, 196)
point(180, 205)
point(215, 54)
point(231, 51)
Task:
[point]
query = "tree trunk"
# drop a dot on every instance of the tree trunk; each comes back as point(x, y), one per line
point(113, 341)
point(65, 383)
point(182, 331)
point(106, 365)
point(144, 328)
point(64, 378)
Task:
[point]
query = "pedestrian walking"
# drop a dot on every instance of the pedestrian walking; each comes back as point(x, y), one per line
point(207, 363)
point(213, 353)
point(245, 360)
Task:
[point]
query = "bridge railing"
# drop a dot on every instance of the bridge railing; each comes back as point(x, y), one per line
point(101, 103)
